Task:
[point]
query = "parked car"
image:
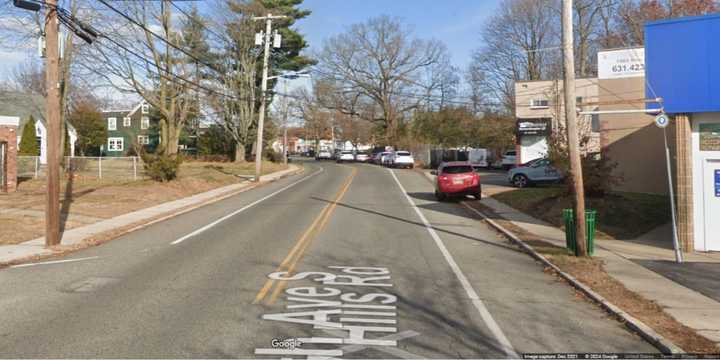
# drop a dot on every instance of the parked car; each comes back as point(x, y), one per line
point(362, 157)
point(345, 155)
point(386, 158)
point(534, 172)
point(457, 178)
point(324, 155)
point(377, 158)
point(402, 159)
point(508, 160)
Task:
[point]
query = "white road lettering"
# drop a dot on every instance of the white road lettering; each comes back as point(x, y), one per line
point(353, 318)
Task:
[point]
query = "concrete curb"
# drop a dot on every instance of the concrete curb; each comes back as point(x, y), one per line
point(657, 340)
point(45, 253)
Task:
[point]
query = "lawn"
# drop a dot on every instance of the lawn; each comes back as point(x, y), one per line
point(92, 199)
point(619, 215)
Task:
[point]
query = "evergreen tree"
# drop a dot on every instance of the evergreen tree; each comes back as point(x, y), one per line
point(28, 142)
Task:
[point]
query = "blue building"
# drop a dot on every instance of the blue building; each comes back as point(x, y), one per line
point(682, 60)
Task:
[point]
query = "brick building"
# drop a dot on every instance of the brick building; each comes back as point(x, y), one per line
point(8, 153)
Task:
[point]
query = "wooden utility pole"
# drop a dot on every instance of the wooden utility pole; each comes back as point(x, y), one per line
point(285, 123)
point(572, 129)
point(263, 92)
point(52, 109)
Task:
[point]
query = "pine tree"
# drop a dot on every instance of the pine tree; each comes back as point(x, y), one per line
point(28, 142)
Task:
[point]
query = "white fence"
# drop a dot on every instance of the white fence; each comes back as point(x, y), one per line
point(85, 166)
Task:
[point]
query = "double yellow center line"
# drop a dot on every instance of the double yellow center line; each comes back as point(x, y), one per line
point(297, 252)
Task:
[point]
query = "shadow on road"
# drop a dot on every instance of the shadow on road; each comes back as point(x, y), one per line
point(417, 223)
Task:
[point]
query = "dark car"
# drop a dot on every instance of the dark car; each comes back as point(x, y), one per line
point(457, 179)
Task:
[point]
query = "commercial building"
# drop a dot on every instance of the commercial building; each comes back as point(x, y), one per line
point(682, 68)
point(628, 135)
point(540, 112)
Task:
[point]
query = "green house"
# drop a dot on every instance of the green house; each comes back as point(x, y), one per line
point(129, 129)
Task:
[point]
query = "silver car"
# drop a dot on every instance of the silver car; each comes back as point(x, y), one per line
point(534, 172)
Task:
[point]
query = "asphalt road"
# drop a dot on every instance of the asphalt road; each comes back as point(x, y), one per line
point(353, 261)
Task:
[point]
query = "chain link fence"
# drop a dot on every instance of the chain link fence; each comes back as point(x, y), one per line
point(125, 168)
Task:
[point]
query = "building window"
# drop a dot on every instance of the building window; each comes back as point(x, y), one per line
point(112, 123)
point(143, 139)
point(145, 108)
point(595, 123)
point(578, 100)
point(538, 104)
point(145, 123)
point(115, 144)
point(127, 122)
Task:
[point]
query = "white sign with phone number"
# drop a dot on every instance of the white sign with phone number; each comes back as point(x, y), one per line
point(625, 63)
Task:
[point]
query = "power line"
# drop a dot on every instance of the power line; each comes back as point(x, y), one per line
point(159, 37)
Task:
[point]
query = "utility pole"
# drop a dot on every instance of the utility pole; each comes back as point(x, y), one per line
point(285, 123)
point(52, 108)
point(572, 130)
point(263, 93)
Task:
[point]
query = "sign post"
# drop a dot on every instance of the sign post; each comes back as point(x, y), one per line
point(662, 121)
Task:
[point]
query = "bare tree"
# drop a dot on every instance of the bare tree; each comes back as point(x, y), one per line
point(164, 77)
point(588, 20)
point(632, 15)
point(520, 44)
point(382, 61)
point(239, 106)
point(317, 120)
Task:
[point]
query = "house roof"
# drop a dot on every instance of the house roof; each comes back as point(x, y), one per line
point(22, 105)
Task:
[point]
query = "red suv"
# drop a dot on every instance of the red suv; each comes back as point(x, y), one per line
point(457, 179)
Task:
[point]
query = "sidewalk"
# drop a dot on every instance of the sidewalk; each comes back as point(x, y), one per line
point(76, 236)
point(623, 261)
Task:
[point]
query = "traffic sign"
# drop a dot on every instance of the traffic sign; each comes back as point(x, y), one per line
point(662, 120)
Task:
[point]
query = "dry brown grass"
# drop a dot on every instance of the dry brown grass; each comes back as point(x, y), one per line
point(107, 198)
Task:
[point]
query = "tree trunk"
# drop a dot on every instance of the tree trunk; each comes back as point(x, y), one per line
point(172, 140)
point(240, 152)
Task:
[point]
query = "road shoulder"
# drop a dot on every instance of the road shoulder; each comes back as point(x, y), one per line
point(105, 230)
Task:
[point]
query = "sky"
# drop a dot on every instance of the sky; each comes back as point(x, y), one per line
point(457, 23)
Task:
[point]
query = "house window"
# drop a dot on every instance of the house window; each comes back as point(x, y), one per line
point(145, 108)
point(579, 100)
point(112, 123)
point(538, 104)
point(127, 122)
point(145, 123)
point(143, 139)
point(115, 144)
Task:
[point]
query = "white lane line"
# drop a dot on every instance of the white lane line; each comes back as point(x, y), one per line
point(208, 226)
point(479, 305)
point(55, 262)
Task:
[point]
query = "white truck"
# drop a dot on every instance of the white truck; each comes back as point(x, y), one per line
point(478, 158)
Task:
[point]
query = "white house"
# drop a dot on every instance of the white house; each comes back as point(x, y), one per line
point(23, 105)
point(41, 135)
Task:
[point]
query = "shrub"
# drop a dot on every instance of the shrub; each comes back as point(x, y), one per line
point(599, 176)
point(161, 167)
point(28, 142)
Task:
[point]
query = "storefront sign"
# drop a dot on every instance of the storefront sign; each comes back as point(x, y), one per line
point(717, 183)
point(617, 64)
point(709, 137)
point(533, 127)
